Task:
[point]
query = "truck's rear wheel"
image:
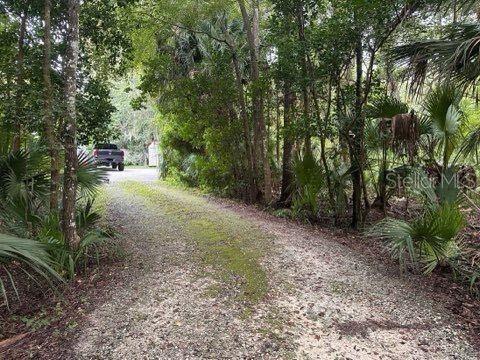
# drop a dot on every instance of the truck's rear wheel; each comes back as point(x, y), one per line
point(114, 166)
point(121, 167)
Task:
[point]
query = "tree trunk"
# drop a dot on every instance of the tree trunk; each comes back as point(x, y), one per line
point(20, 86)
point(287, 174)
point(277, 129)
point(342, 131)
point(252, 30)
point(251, 166)
point(49, 120)
point(322, 129)
point(356, 151)
point(70, 131)
point(267, 171)
point(381, 199)
point(252, 191)
point(305, 80)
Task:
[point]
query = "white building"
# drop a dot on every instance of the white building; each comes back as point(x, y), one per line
point(153, 154)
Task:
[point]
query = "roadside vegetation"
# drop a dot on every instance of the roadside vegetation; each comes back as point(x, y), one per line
point(35, 241)
point(54, 97)
point(332, 112)
point(360, 115)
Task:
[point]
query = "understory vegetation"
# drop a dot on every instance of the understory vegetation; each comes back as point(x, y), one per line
point(332, 112)
point(56, 62)
point(36, 245)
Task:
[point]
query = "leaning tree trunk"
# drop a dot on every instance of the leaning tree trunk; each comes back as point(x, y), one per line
point(70, 131)
point(49, 120)
point(20, 86)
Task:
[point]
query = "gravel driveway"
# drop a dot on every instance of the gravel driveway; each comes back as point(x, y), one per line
point(302, 296)
point(133, 174)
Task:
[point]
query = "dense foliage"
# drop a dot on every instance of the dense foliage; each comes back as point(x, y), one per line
point(330, 109)
point(54, 95)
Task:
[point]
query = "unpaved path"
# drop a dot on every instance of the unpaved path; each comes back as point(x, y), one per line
point(143, 174)
point(209, 280)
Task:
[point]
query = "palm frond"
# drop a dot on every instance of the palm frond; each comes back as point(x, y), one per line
point(438, 103)
point(397, 235)
point(455, 57)
point(386, 107)
point(430, 240)
point(471, 143)
point(31, 255)
point(442, 105)
point(89, 176)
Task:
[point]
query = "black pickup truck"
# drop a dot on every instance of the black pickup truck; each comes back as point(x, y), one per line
point(109, 155)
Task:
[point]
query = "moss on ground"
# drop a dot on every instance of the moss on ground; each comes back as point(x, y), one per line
point(224, 242)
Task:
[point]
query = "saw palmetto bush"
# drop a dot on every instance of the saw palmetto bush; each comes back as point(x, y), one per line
point(433, 238)
point(429, 241)
point(24, 256)
point(37, 248)
point(24, 188)
point(89, 176)
point(68, 261)
point(24, 185)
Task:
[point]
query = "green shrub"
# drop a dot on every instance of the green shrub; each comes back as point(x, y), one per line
point(431, 240)
point(309, 182)
point(24, 210)
point(67, 260)
point(30, 256)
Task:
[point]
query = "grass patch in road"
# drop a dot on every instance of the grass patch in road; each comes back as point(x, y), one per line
point(101, 201)
point(229, 245)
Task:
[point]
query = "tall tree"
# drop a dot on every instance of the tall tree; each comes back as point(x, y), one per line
point(49, 119)
point(233, 47)
point(305, 74)
point(357, 137)
point(70, 131)
point(252, 28)
point(20, 86)
point(288, 140)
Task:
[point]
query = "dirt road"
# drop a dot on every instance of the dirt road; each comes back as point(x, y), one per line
point(212, 280)
point(142, 174)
